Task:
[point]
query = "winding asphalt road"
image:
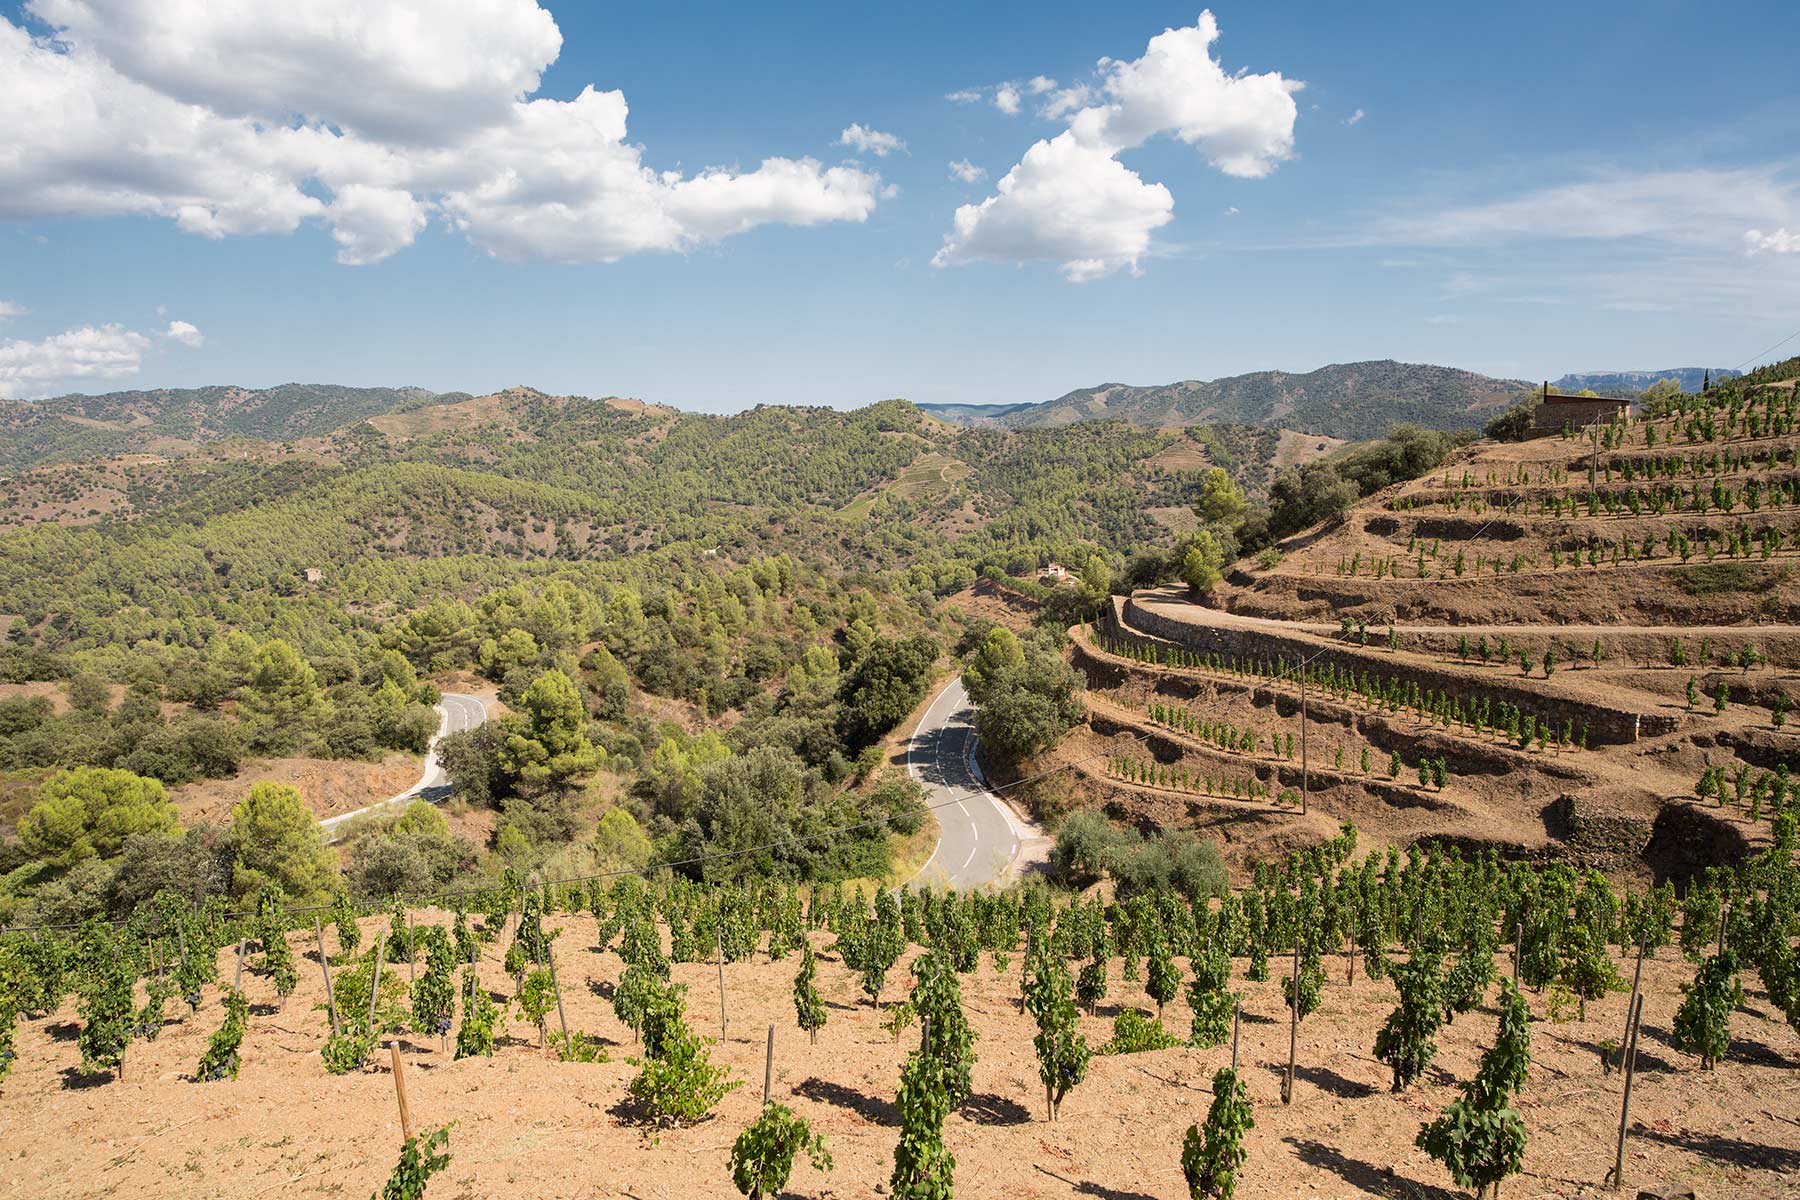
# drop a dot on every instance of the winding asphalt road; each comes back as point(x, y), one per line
point(979, 835)
point(456, 713)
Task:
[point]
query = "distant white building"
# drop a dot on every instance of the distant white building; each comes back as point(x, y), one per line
point(1053, 573)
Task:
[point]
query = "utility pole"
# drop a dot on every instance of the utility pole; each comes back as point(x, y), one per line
point(1304, 782)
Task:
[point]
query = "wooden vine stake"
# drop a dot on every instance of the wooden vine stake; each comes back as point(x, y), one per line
point(325, 970)
point(719, 940)
point(375, 980)
point(1616, 1177)
point(1631, 1004)
point(1237, 1016)
point(1287, 1081)
point(400, 1090)
point(237, 980)
point(768, 1065)
point(550, 961)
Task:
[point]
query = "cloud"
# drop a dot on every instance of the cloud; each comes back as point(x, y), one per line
point(1355, 118)
point(1232, 211)
point(1065, 201)
point(1070, 200)
point(1779, 242)
point(1440, 319)
point(188, 335)
point(403, 70)
point(10, 309)
point(1698, 209)
point(965, 96)
point(29, 369)
point(1006, 99)
point(370, 223)
point(1037, 85)
point(231, 120)
point(967, 171)
point(870, 141)
point(1064, 101)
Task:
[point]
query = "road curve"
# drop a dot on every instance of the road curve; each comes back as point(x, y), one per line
point(456, 712)
point(979, 835)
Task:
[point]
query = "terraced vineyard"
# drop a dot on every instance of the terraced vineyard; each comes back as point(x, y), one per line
point(1578, 646)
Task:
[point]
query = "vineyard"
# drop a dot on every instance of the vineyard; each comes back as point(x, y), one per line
point(1576, 647)
point(609, 1038)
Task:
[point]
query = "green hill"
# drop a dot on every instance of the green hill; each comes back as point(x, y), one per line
point(1346, 400)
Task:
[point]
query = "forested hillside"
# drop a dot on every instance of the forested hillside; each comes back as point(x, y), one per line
point(1347, 400)
point(74, 427)
point(673, 613)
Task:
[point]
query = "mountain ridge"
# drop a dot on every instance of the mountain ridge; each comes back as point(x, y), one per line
point(1349, 400)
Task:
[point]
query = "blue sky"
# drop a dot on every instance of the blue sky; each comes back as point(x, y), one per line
point(1523, 191)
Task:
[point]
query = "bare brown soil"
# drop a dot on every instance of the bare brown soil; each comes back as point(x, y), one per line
point(527, 1125)
point(328, 785)
point(986, 600)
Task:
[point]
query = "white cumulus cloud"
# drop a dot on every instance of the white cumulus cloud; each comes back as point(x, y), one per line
point(10, 309)
point(870, 141)
point(963, 96)
point(1070, 200)
point(1355, 118)
point(187, 334)
point(410, 70)
point(1037, 85)
point(967, 171)
point(1779, 242)
point(1065, 201)
point(29, 369)
point(237, 119)
point(1006, 99)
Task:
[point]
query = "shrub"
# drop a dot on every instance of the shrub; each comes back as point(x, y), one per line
point(476, 1034)
point(221, 1058)
point(1703, 1022)
point(1480, 1138)
point(1211, 1157)
point(1405, 1041)
point(1134, 1032)
point(423, 1155)
point(1062, 1051)
point(809, 1007)
point(763, 1155)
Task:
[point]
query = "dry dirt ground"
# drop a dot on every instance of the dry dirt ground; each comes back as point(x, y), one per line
point(529, 1126)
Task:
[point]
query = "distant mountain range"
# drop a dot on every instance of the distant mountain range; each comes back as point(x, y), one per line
point(1632, 382)
point(1346, 400)
point(79, 427)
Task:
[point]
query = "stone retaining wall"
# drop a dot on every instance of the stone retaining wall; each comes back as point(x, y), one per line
point(1605, 725)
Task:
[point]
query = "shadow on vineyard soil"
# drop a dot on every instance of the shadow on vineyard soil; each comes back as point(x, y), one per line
point(1365, 1177)
point(869, 1108)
